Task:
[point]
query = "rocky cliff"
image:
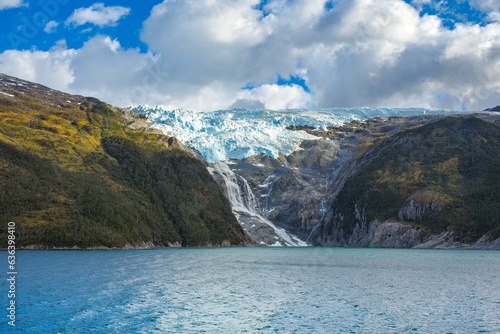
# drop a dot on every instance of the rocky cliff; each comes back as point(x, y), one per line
point(77, 172)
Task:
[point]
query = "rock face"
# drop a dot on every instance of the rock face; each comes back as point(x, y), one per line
point(376, 234)
point(293, 191)
point(487, 242)
point(416, 208)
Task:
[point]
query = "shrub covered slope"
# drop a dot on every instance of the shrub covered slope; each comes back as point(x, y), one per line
point(441, 176)
point(72, 173)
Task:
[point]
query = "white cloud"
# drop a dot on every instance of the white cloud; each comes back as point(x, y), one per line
point(494, 16)
point(5, 4)
point(472, 41)
point(102, 68)
point(486, 5)
point(274, 97)
point(420, 2)
point(52, 68)
point(50, 27)
point(203, 52)
point(490, 7)
point(205, 40)
point(98, 14)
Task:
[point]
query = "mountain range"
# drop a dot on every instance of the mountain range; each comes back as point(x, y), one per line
point(77, 172)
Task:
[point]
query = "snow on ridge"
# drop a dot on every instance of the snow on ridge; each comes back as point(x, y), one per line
point(237, 134)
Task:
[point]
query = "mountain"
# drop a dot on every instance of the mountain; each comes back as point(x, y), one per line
point(433, 185)
point(370, 177)
point(75, 171)
point(297, 189)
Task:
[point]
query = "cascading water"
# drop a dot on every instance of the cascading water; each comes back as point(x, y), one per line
point(238, 190)
point(245, 207)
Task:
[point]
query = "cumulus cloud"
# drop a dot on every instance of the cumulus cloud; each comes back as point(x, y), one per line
point(103, 68)
point(50, 27)
point(4, 4)
point(357, 53)
point(97, 14)
point(273, 97)
point(207, 55)
point(420, 3)
point(52, 68)
point(491, 7)
point(486, 5)
point(205, 41)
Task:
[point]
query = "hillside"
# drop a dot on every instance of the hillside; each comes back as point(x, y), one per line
point(440, 178)
point(75, 171)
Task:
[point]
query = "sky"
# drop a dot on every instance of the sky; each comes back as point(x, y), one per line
point(206, 55)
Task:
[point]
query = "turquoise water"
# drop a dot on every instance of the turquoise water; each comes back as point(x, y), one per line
point(264, 290)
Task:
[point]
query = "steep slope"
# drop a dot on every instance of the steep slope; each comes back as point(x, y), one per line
point(433, 185)
point(75, 171)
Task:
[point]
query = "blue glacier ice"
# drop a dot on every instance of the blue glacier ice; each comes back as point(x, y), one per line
point(240, 133)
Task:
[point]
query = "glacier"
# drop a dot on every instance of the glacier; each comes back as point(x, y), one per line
point(225, 137)
point(240, 133)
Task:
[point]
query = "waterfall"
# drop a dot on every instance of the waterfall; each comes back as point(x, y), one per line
point(246, 209)
point(239, 193)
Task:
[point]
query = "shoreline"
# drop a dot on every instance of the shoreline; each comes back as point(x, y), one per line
point(103, 248)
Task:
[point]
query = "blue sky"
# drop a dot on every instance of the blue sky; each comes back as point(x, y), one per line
point(277, 54)
point(33, 16)
point(452, 12)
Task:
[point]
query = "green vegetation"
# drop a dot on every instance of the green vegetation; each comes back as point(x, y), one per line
point(76, 176)
point(452, 165)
